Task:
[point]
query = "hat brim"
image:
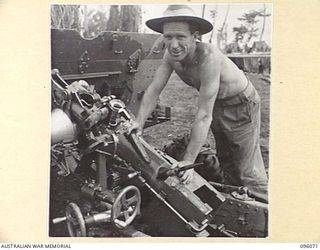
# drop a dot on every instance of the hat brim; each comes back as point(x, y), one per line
point(156, 24)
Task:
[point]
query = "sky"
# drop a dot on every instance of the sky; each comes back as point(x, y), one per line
point(235, 11)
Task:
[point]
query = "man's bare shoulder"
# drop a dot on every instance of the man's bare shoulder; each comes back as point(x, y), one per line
point(209, 53)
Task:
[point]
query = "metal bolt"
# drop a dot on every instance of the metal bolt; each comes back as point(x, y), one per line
point(239, 205)
point(230, 202)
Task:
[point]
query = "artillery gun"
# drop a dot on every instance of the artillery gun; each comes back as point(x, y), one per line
point(124, 185)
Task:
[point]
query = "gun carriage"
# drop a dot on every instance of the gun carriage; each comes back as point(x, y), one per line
point(125, 185)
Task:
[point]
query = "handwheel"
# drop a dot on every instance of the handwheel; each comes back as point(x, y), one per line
point(75, 221)
point(126, 207)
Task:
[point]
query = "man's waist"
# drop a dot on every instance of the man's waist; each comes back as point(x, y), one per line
point(241, 97)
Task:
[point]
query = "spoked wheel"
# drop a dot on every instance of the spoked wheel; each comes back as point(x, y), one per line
point(126, 207)
point(75, 221)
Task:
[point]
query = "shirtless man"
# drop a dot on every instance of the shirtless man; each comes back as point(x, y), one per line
point(228, 103)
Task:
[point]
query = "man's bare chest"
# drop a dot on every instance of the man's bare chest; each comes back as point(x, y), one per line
point(190, 75)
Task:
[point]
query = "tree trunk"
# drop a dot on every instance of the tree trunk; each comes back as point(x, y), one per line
point(225, 18)
point(224, 35)
point(114, 23)
point(264, 21)
point(213, 23)
point(130, 18)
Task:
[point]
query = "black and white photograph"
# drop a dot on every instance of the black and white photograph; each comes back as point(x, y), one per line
point(160, 120)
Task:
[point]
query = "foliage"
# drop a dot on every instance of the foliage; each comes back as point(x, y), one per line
point(95, 23)
point(248, 28)
point(240, 32)
point(90, 21)
point(65, 16)
point(213, 14)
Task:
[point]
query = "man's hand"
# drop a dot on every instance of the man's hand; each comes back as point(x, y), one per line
point(135, 127)
point(185, 176)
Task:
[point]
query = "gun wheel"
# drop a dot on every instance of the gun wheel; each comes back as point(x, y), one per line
point(75, 221)
point(126, 207)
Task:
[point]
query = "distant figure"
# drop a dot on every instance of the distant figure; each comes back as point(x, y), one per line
point(228, 102)
point(260, 66)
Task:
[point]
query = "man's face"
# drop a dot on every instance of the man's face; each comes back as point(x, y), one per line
point(178, 39)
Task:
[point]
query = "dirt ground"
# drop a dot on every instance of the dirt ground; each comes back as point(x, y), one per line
point(183, 100)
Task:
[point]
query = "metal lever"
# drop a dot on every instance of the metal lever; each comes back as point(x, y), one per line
point(165, 172)
point(56, 73)
point(59, 220)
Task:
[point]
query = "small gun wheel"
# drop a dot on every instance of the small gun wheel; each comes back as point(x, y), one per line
point(126, 207)
point(75, 221)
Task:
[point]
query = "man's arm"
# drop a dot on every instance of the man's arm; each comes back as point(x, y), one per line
point(209, 73)
point(152, 93)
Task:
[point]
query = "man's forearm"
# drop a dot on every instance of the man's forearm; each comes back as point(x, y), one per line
point(148, 104)
point(152, 93)
point(198, 137)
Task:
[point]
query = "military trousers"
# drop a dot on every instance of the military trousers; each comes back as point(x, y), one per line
point(236, 128)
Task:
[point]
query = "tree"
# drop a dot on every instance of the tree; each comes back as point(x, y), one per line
point(213, 15)
point(96, 22)
point(65, 16)
point(264, 15)
point(249, 27)
point(222, 34)
point(130, 18)
point(90, 21)
point(124, 18)
point(249, 21)
point(114, 23)
point(240, 33)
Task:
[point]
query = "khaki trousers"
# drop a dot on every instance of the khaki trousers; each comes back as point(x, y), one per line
point(236, 128)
